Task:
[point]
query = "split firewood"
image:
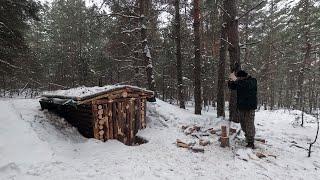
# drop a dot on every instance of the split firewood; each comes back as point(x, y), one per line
point(197, 149)
point(204, 142)
point(213, 131)
point(182, 144)
point(272, 156)
point(197, 128)
point(189, 131)
point(260, 155)
point(183, 127)
point(192, 143)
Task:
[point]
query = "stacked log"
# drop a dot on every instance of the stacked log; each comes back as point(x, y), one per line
point(118, 115)
point(143, 122)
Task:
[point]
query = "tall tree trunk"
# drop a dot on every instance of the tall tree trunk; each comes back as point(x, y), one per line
point(307, 54)
point(145, 48)
point(222, 67)
point(234, 52)
point(197, 59)
point(178, 54)
point(216, 33)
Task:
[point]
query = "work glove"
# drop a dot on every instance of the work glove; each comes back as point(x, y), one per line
point(232, 77)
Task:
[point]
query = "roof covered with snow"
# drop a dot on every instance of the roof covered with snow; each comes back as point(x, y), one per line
point(83, 93)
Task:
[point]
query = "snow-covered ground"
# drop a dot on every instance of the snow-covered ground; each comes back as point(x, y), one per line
point(36, 144)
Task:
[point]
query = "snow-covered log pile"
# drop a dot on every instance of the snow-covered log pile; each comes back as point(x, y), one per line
point(109, 112)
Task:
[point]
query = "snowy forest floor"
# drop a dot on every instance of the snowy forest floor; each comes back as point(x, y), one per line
point(36, 144)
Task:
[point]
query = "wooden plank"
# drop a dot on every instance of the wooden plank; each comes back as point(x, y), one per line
point(122, 121)
point(94, 121)
point(113, 113)
point(108, 108)
point(127, 124)
point(138, 114)
point(115, 120)
point(143, 120)
point(132, 122)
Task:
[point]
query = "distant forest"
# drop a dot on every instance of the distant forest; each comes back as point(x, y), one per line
point(183, 50)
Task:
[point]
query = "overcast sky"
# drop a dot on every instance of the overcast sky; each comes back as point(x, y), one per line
point(88, 2)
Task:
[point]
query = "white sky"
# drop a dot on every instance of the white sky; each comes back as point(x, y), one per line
point(88, 2)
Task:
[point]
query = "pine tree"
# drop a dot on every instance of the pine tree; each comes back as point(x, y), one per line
point(197, 58)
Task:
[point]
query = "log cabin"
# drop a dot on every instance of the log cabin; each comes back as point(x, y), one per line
point(109, 112)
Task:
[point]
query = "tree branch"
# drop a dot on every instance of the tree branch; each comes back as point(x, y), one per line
point(226, 41)
point(10, 65)
point(254, 7)
point(223, 10)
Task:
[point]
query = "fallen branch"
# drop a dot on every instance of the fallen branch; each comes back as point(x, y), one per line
point(295, 145)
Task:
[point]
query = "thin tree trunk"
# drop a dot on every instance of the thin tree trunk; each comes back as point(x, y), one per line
point(178, 54)
point(306, 55)
point(197, 59)
point(221, 68)
point(145, 48)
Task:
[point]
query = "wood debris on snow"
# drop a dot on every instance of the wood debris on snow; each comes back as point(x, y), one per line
point(189, 146)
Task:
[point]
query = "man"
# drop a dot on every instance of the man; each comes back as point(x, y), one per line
point(246, 87)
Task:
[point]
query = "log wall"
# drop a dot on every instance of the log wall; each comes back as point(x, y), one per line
point(105, 119)
point(118, 119)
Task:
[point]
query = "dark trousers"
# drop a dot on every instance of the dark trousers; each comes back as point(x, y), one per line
point(246, 118)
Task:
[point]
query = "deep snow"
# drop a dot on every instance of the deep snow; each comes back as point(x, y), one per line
point(36, 144)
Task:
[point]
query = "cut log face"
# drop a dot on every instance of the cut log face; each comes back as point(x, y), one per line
point(224, 137)
point(182, 144)
point(101, 132)
point(125, 94)
point(100, 112)
point(101, 122)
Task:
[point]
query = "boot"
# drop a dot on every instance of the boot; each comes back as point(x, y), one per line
point(250, 145)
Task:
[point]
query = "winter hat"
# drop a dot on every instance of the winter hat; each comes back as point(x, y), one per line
point(242, 73)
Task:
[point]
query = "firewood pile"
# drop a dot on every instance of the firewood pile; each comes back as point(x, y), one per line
point(202, 136)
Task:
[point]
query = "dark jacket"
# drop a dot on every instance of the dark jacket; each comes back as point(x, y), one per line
point(246, 92)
